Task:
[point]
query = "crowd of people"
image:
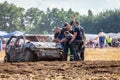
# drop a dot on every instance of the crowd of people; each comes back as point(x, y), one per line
point(72, 38)
point(103, 41)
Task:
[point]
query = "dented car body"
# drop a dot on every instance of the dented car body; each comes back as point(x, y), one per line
point(32, 48)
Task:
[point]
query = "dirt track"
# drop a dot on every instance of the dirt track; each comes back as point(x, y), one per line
point(97, 66)
point(88, 70)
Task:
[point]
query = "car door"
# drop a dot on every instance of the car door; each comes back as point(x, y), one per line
point(10, 47)
point(19, 48)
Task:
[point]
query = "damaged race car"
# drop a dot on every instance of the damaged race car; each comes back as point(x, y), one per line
point(29, 48)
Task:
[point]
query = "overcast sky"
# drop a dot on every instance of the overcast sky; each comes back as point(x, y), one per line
point(81, 6)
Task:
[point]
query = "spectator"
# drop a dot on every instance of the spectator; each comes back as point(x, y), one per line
point(91, 43)
point(115, 42)
point(102, 39)
point(109, 41)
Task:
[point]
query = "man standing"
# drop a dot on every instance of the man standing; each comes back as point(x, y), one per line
point(102, 39)
point(68, 28)
point(78, 41)
point(66, 39)
point(109, 41)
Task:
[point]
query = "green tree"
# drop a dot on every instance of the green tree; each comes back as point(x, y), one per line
point(33, 17)
point(36, 21)
point(10, 17)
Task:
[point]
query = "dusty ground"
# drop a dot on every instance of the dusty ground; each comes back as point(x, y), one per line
point(88, 70)
point(99, 64)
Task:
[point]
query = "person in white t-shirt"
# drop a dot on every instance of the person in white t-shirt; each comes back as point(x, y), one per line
point(102, 39)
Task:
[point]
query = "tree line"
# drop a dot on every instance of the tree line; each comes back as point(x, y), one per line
point(34, 20)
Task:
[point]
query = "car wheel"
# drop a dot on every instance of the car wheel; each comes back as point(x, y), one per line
point(29, 56)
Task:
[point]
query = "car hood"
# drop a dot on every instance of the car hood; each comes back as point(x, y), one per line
point(46, 45)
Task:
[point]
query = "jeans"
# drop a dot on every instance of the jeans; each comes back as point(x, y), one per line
point(77, 50)
point(82, 53)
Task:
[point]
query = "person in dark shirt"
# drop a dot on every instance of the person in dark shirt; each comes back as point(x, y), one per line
point(68, 27)
point(66, 39)
point(58, 36)
point(78, 41)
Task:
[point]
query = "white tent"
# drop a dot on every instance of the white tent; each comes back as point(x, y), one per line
point(2, 33)
point(15, 33)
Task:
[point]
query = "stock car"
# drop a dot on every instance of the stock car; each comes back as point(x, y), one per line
point(29, 48)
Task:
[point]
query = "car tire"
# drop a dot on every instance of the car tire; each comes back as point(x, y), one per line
point(29, 56)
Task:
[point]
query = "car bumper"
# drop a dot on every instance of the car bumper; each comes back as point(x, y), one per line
point(48, 53)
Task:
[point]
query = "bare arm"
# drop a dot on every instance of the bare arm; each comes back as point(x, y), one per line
point(63, 40)
point(74, 17)
point(84, 40)
point(73, 20)
point(74, 36)
point(84, 37)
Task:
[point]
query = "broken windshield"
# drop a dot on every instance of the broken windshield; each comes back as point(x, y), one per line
point(39, 38)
